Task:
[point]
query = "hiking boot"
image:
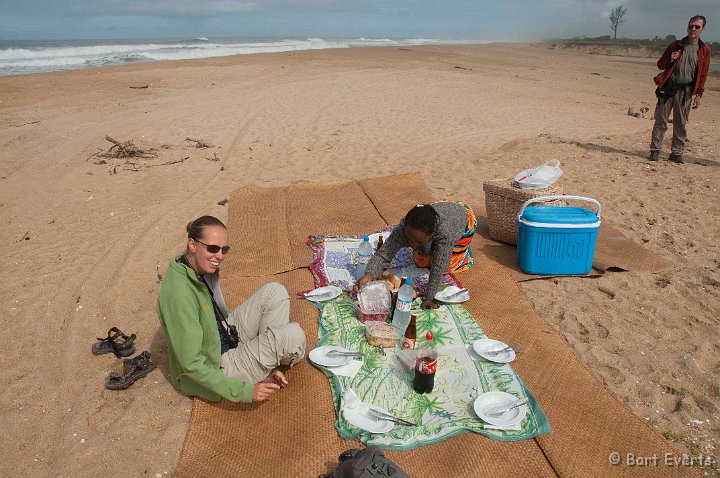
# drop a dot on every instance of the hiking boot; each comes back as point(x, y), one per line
point(676, 158)
point(654, 156)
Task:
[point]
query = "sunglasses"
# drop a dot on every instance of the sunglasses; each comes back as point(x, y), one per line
point(694, 27)
point(213, 249)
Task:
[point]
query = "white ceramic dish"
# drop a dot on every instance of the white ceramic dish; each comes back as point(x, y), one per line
point(320, 357)
point(360, 416)
point(492, 400)
point(445, 295)
point(488, 349)
point(321, 294)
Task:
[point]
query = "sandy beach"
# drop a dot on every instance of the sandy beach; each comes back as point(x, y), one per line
point(87, 239)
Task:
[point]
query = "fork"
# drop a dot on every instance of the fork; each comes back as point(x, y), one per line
point(455, 294)
point(505, 349)
point(499, 411)
point(386, 416)
point(344, 353)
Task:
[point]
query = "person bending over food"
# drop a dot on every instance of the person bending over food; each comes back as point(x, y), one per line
point(213, 352)
point(439, 235)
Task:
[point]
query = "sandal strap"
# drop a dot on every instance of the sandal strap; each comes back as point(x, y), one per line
point(140, 359)
point(117, 347)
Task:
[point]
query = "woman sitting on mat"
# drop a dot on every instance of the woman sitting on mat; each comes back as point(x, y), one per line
point(439, 234)
point(213, 353)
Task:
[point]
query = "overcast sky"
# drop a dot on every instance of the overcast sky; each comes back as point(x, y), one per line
point(481, 20)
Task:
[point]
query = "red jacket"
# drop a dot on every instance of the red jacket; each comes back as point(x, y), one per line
point(667, 65)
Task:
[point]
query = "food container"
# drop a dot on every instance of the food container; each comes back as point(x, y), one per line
point(503, 202)
point(557, 240)
point(374, 301)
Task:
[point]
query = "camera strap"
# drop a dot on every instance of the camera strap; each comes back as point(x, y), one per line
point(219, 315)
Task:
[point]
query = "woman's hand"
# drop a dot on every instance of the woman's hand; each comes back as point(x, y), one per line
point(363, 281)
point(429, 304)
point(263, 390)
point(276, 376)
point(274, 382)
point(696, 102)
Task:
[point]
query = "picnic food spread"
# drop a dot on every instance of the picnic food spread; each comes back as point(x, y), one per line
point(381, 334)
point(429, 369)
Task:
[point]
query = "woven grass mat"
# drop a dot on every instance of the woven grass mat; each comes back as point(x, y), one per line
point(270, 227)
point(613, 251)
point(293, 435)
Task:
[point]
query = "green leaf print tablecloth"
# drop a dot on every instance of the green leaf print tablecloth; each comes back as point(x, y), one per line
point(386, 382)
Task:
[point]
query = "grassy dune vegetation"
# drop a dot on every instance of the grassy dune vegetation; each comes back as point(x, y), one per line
point(605, 45)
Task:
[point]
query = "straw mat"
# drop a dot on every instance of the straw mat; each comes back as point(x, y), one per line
point(615, 251)
point(393, 196)
point(293, 435)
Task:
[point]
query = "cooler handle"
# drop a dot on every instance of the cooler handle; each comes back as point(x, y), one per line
point(553, 198)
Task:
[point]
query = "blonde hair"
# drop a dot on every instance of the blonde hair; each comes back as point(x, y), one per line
point(195, 228)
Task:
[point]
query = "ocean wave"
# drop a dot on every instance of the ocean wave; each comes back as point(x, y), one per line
point(29, 57)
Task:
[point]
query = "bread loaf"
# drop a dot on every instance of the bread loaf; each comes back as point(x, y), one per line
point(394, 282)
point(381, 334)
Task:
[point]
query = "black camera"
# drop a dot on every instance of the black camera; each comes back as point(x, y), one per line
point(231, 334)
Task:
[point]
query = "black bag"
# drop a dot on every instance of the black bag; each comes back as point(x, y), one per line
point(367, 462)
point(668, 90)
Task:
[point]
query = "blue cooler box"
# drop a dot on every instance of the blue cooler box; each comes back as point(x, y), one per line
point(557, 239)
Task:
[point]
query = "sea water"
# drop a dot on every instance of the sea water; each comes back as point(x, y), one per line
point(19, 57)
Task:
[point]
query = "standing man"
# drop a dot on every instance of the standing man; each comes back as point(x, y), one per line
point(684, 66)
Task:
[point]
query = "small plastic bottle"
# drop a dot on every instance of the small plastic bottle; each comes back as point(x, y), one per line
point(425, 366)
point(401, 314)
point(365, 252)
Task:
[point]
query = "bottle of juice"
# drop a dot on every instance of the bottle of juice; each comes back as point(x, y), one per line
point(410, 333)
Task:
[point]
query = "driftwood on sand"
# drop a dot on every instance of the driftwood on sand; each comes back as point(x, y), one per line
point(199, 143)
point(125, 149)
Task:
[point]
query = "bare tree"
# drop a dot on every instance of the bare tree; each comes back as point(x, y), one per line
point(617, 15)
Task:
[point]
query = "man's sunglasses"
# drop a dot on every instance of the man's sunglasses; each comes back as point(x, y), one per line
point(694, 27)
point(214, 249)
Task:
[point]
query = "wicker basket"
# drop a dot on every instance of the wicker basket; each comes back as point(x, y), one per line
point(503, 202)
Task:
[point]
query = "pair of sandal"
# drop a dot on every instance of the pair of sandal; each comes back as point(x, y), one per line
point(122, 345)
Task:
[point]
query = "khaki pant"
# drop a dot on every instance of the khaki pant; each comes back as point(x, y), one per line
point(680, 106)
point(267, 338)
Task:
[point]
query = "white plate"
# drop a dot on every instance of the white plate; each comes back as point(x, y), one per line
point(486, 347)
point(491, 400)
point(361, 418)
point(322, 294)
point(319, 356)
point(448, 291)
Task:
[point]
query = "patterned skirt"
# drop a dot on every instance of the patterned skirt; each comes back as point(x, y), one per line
point(462, 256)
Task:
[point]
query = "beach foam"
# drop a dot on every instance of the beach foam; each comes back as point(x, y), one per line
point(35, 57)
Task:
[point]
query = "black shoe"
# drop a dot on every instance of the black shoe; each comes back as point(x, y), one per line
point(133, 369)
point(676, 158)
point(654, 156)
point(116, 342)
